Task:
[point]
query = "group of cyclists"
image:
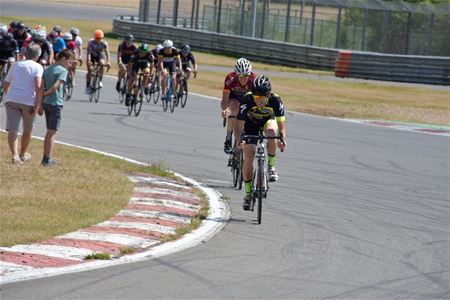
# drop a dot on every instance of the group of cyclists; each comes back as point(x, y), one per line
point(164, 60)
point(17, 36)
point(248, 103)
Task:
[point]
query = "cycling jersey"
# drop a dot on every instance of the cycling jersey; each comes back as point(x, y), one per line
point(46, 48)
point(237, 90)
point(96, 49)
point(255, 118)
point(186, 60)
point(168, 56)
point(141, 62)
point(78, 41)
point(126, 51)
point(23, 39)
point(8, 50)
point(58, 45)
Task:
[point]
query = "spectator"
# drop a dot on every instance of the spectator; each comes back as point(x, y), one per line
point(53, 100)
point(23, 99)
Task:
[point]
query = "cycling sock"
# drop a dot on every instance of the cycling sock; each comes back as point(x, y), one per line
point(271, 160)
point(248, 187)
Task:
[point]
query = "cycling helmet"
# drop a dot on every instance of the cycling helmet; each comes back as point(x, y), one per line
point(57, 28)
point(99, 34)
point(13, 24)
point(261, 86)
point(143, 47)
point(159, 47)
point(186, 48)
point(53, 35)
point(8, 37)
point(3, 29)
point(20, 26)
point(39, 36)
point(243, 67)
point(75, 31)
point(129, 37)
point(68, 36)
point(167, 44)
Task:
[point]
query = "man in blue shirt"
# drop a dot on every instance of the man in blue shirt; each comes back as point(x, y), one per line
point(57, 42)
point(53, 100)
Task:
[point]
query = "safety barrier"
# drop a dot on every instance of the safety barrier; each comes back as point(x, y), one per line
point(368, 65)
point(406, 68)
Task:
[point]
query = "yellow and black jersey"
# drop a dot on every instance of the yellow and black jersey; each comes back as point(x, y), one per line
point(249, 111)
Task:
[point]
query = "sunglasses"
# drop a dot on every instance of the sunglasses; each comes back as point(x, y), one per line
point(259, 97)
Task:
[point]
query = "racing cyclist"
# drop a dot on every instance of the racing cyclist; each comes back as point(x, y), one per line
point(169, 58)
point(47, 56)
point(97, 52)
point(236, 85)
point(9, 51)
point(187, 58)
point(124, 52)
point(261, 110)
point(141, 60)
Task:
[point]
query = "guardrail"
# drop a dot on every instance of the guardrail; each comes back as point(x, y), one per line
point(368, 65)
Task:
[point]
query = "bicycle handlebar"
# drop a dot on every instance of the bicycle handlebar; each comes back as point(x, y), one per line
point(261, 137)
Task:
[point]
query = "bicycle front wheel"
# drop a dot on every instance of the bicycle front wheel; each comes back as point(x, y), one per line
point(156, 91)
point(260, 190)
point(185, 94)
point(138, 105)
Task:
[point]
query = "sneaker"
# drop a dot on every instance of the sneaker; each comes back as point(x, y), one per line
point(25, 157)
point(228, 149)
point(88, 90)
point(118, 86)
point(273, 176)
point(247, 201)
point(50, 162)
point(16, 160)
point(100, 84)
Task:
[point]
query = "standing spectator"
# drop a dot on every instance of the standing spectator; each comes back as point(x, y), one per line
point(53, 101)
point(23, 99)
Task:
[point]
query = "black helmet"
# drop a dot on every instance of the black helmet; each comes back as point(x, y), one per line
point(261, 86)
point(53, 35)
point(20, 26)
point(8, 37)
point(186, 48)
point(129, 37)
point(13, 24)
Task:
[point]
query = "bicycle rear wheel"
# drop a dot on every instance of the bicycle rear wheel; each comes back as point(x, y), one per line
point(172, 104)
point(240, 162)
point(138, 105)
point(122, 90)
point(156, 90)
point(131, 106)
point(185, 93)
point(165, 104)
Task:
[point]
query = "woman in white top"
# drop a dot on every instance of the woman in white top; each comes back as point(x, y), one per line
point(23, 98)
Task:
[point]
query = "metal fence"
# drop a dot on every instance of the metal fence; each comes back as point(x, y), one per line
point(394, 27)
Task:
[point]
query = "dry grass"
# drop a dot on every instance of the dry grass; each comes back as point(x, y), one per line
point(82, 189)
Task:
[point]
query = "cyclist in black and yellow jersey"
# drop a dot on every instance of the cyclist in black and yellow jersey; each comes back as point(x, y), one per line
point(261, 109)
point(142, 59)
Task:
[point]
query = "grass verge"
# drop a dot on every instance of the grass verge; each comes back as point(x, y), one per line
point(83, 189)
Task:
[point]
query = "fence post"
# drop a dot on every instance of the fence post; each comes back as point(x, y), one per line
point(338, 28)
point(219, 15)
point(175, 13)
point(383, 30)
point(363, 38)
point(313, 21)
point(158, 12)
point(192, 14)
point(263, 19)
point(254, 17)
point(197, 13)
point(288, 19)
point(241, 29)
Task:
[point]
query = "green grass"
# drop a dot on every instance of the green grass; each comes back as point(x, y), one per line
point(100, 256)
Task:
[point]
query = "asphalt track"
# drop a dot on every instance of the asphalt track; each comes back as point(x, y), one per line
point(360, 212)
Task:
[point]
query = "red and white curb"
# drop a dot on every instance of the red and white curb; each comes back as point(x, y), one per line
point(157, 207)
point(419, 128)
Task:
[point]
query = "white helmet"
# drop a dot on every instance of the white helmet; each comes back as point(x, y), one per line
point(243, 66)
point(68, 36)
point(3, 29)
point(167, 44)
point(159, 47)
point(40, 35)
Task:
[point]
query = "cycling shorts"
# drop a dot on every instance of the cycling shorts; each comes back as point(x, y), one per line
point(251, 128)
point(170, 66)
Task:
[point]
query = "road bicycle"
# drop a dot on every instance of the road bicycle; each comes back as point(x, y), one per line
point(154, 89)
point(260, 174)
point(169, 97)
point(235, 162)
point(68, 87)
point(182, 90)
point(94, 87)
point(3, 76)
point(137, 95)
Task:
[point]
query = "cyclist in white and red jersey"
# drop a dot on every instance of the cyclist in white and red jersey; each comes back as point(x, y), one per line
point(236, 85)
point(97, 52)
point(124, 52)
